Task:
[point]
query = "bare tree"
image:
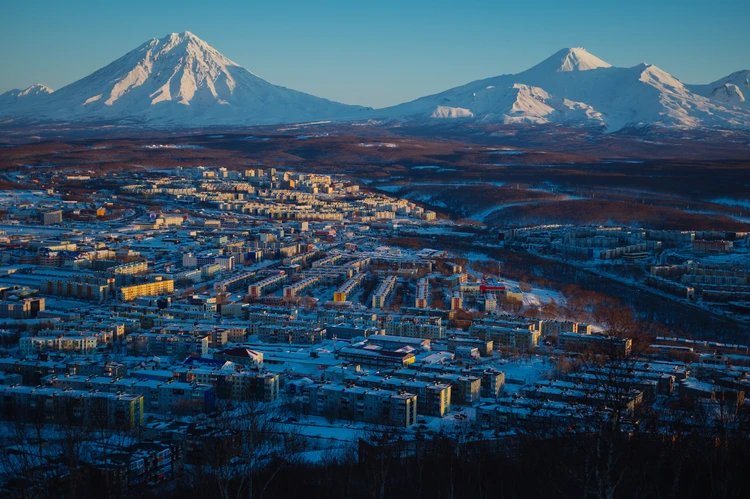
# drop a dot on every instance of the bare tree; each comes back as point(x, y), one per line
point(247, 449)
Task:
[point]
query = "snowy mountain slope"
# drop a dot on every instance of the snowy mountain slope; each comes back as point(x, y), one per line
point(732, 90)
point(16, 100)
point(181, 80)
point(575, 87)
point(517, 103)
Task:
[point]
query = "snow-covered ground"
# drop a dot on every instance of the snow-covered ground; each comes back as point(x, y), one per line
point(523, 370)
point(172, 146)
point(742, 203)
point(508, 152)
point(535, 298)
point(319, 427)
point(389, 145)
point(538, 297)
point(12, 198)
point(433, 168)
point(32, 229)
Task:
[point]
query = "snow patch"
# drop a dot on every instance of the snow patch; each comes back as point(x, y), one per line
point(742, 203)
point(172, 146)
point(451, 112)
point(389, 145)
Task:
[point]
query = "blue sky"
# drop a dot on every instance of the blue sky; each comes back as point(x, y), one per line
point(376, 53)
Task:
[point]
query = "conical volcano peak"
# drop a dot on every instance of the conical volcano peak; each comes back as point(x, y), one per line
point(179, 79)
point(572, 59)
point(181, 45)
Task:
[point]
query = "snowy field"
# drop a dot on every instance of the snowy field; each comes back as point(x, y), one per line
point(523, 370)
point(535, 298)
point(32, 229)
point(172, 146)
point(12, 198)
point(742, 203)
point(389, 145)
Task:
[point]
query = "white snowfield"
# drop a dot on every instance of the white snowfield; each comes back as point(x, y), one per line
point(180, 80)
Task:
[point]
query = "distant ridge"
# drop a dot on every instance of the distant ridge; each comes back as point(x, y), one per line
point(181, 81)
point(577, 88)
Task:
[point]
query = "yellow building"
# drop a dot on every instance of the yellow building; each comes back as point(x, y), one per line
point(129, 293)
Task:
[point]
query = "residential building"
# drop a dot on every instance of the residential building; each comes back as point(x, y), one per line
point(354, 403)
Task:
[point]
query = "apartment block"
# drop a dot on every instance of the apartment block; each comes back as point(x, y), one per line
point(291, 334)
point(235, 283)
point(155, 288)
point(516, 338)
point(383, 291)
point(345, 290)
point(376, 358)
point(415, 327)
point(292, 290)
point(34, 345)
point(21, 309)
point(76, 407)
point(82, 287)
point(161, 397)
point(167, 344)
point(258, 289)
point(52, 217)
point(572, 342)
point(354, 403)
point(422, 295)
point(434, 398)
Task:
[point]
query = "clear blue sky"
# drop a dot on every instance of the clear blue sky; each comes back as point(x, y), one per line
point(380, 52)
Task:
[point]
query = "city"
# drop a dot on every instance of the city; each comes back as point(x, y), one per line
point(374, 250)
point(189, 323)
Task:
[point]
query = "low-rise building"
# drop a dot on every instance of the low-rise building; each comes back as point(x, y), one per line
point(33, 345)
point(609, 345)
point(76, 407)
point(162, 397)
point(376, 358)
point(21, 309)
point(167, 344)
point(367, 405)
point(510, 337)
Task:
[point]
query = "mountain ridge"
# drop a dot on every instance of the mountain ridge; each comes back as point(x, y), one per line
point(180, 80)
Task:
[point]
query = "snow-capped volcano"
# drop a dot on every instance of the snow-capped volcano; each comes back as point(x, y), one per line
point(181, 80)
point(575, 59)
point(577, 88)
